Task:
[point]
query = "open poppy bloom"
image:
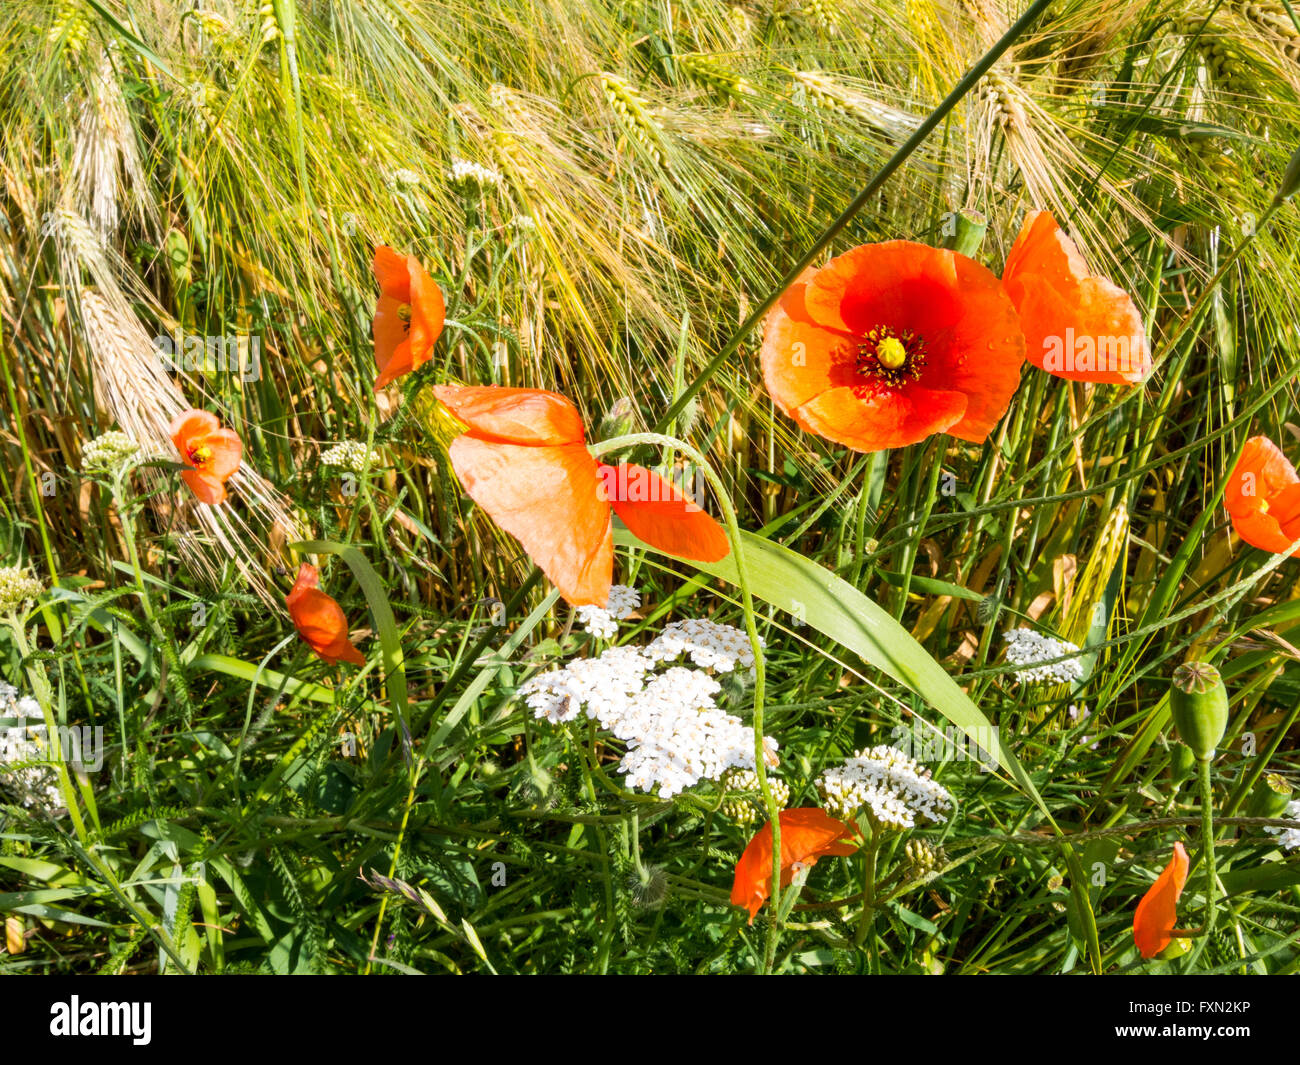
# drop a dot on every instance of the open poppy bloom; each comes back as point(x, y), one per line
point(1077, 325)
point(408, 316)
point(320, 620)
point(889, 343)
point(1263, 497)
point(524, 460)
point(807, 834)
point(1156, 912)
point(211, 452)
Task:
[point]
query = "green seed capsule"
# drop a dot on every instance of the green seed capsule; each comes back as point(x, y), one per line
point(1178, 946)
point(1270, 796)
point(1198, 703)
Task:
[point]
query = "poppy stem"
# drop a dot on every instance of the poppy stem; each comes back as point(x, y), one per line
point(751, 629)
point(1207, 842)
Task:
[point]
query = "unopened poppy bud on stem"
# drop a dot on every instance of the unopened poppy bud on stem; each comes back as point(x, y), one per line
point(1270, 796)
point(1198, 703)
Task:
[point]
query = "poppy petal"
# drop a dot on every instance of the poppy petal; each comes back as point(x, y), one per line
point(393, 274)
point(208, 489)
point(399, 363)
point(190, 425)
point(802, 359)
point(226, 451)
point(428, 314)
point(389, 330)
point(514, 415)
point(890, 418)
point(1157, 911)
point(1077, 325)
point(806, 835)
point(1261, 472)
point(320, 620)
point(546, 498)
point(657, 513)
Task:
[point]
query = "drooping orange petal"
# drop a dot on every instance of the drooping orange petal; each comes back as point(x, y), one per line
point(807, 834)
point(428, 314)
point(398, 364)
point(514, 415)
point(389, 331)
point(547, 498)
point(801, 359)
point(320, 620)
point(1077, 325)
point(656, 512)
point(1157, 911)
point(393, 274)
point(208, 489)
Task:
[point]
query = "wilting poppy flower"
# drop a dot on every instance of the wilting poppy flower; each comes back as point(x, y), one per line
point(1076, 325)
point(889, 343)
point(408, 317)
point(806, 835)
point(1156, 912)
point(211, 452)
point(524, 460)
point(320, 620)
point(1263, 497)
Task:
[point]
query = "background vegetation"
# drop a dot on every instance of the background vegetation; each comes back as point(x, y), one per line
point(225, 168)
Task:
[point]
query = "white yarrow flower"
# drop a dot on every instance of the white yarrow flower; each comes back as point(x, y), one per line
point(1026, 647)
point(889, 785)
point(463, 172)
point(603, 621)
point(707, 644)
point(17, 588)
point(1288, 838)
point(349, 455)
point(35, 786)
point(111, 452)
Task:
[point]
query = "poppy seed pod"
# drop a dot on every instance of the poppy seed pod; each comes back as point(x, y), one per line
point(1198, 703)
point(1270, 797)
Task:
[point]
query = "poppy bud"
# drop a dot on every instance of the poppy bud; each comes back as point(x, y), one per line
point(1182, 764)
point(1198, 703)
point(1270, 797)
point(618, 419)
point(1290, 179)
point(1176, 949)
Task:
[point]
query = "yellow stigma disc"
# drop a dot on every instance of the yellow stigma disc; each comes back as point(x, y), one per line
point(890, 353)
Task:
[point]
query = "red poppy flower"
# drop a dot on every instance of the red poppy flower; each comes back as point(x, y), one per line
point(211, 452)
point(524, 460)
point(1263, 497)
point(889, 343)
point(408, 317)
point(1077, 325)
point(806, 835)
point(1157, 910)
point(320, 620)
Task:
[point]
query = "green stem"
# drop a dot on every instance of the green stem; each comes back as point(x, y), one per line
point(756, 646)
point(1207, 844)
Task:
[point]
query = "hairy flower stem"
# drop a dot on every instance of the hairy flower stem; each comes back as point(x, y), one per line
point(1207, 835)
point(867, 918)
point(751, 629)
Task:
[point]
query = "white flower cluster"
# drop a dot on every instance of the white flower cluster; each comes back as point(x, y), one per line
point(1025, 647)
point(17, 587)
point(892, 787)
point(744, 801)
point(708, 644)
point(402, 178)
point(464, 172)
point(603, 621)
point(1288, 838)
point(113, 451)
point(349, 455)
point(522, 223)
point(34, 786)
point(675, 733)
